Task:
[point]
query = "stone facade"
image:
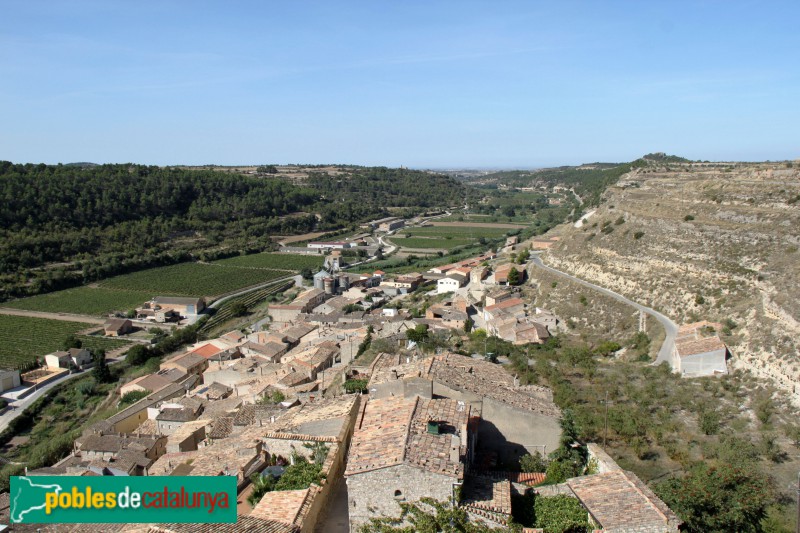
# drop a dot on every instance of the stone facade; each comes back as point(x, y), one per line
point(378, 493)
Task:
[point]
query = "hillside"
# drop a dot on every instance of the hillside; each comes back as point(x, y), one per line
point(64, 225)
point(699, 241)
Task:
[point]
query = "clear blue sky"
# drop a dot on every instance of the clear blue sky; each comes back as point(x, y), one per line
point(421, 84)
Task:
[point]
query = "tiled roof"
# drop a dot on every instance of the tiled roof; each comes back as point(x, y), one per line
point(688, 347)
point(432, 452)
point(172, 414)
point(380, 435)
point(223, 426)
point(207, 350)
point(490, 380)
point(113, 443)
point(394, 430)
point(285, 506)
point(619, 501)
point(293, 379)
point(488, 493)
point(505, 304)
point(244, 524)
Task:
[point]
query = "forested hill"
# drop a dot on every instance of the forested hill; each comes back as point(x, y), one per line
point(65, 224)
point(68, 197)
point(392, 187)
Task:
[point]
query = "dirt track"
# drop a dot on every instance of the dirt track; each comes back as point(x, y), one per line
point(52, 316)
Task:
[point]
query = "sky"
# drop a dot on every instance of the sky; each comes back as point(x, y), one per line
point(425, 84)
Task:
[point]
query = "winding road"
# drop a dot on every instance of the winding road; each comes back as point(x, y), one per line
point(665, 354)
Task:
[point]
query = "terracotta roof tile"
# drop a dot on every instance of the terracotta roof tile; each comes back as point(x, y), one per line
point(619, 501)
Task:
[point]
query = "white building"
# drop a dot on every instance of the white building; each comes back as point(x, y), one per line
point(340, 245)
point(8, 379)
point(448, 285)
point(699, 351)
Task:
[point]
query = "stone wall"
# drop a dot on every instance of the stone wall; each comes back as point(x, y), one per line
point(378, 493)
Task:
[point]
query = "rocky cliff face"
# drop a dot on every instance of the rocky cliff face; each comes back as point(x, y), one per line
point(711, 241)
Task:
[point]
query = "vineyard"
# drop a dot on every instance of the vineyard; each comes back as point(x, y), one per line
point(193, 279)
point(293, 262)
point(23, 339)
point(95, 301)
point(248, 300)
point(437, 244)
point(462, 232)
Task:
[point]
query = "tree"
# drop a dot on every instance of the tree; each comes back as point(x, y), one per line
point(138, 354)
point(72, 342)
point(513, 276)
point(418, 334)
point(101, 372)
point(719, 498)
point(560, 514)
point(238, 309)
point(365, 344)
point(468, 325)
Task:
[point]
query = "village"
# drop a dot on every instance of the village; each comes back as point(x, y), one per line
point(417, 420)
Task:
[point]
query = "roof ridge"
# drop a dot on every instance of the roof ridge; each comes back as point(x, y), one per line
point(408, 427)
point(642, 494)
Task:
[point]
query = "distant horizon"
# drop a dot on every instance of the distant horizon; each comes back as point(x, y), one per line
point(442, 168)
point(417, 84)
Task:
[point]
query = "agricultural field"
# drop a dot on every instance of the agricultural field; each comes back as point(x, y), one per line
point(464, 232)
point(193, 279)
point(431, 243)
point(292, 262)
point(25, 338)
point(97, 301)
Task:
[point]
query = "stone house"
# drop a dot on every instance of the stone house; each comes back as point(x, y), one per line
point(80, 358)
point(405, 449)
point(117, 326)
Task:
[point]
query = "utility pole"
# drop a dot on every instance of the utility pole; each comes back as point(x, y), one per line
point(605, 432)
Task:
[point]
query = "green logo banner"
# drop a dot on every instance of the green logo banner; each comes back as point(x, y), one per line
point(117, 499)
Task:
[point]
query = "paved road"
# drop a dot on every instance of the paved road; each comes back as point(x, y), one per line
point(665, 354)
point(20, 405)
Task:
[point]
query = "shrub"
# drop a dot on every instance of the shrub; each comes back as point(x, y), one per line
point(638, 235)
point(560, 514)
point(688, 218)
point(133, 397)
point(533, 462)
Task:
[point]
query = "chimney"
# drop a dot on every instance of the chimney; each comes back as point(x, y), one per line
point(455, 448)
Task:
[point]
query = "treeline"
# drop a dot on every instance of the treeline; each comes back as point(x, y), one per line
point(378, 187)
point(65, 225)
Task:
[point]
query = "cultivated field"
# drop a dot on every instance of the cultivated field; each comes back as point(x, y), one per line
point(465, 231)
point(292, 262)
point(24, 338)
point(484, 224)
point(431, 243)
point(193, 279)
point(96, 301)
